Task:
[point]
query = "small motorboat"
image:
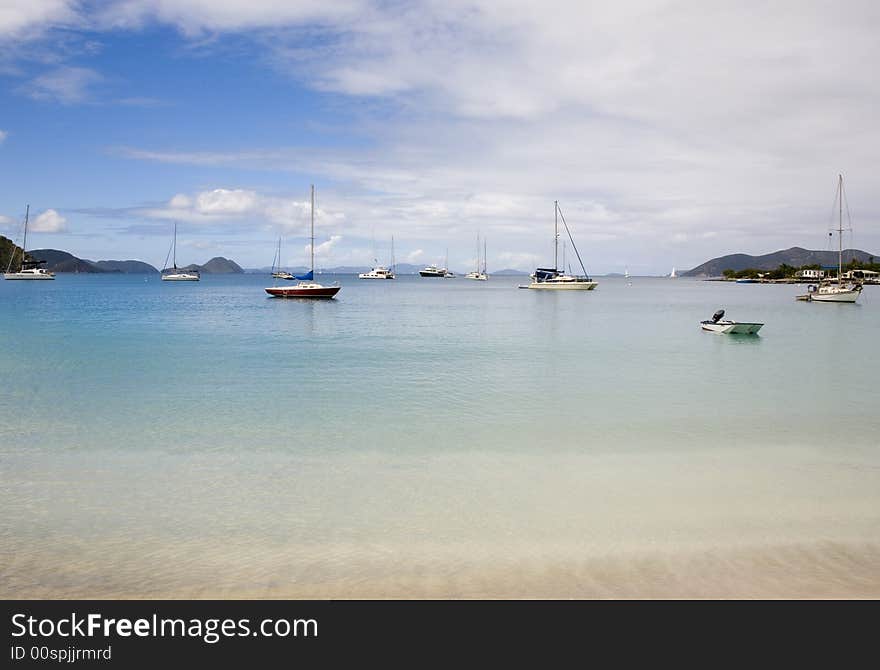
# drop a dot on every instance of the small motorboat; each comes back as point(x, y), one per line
point(718, 324)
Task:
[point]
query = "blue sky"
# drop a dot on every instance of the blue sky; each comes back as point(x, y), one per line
point(670, 132)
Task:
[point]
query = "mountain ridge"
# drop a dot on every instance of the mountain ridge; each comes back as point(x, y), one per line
point(794, 256)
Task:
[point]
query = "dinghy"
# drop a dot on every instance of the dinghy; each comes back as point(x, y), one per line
point(718, 324)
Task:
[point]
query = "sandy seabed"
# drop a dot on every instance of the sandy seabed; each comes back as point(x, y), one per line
point(821, 570)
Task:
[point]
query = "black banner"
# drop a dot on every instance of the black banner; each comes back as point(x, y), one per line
point(180, 633)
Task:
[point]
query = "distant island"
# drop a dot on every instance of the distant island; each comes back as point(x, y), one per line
point(794, 258)
point(62, 261)
point(216, 266)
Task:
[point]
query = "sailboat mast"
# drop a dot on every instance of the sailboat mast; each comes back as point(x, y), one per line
point(840, 230)
point(477, 268)
point(556, 234)
point(27, 214)
point(392, 254)
point(174, 247)
point(484, 256)
point(312, 246)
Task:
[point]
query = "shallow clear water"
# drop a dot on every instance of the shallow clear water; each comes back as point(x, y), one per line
point(434, 437)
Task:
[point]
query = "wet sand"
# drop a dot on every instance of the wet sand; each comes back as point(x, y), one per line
point(820, 570)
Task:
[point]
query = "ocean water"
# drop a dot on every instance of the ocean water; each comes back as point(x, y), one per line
point(435, 438)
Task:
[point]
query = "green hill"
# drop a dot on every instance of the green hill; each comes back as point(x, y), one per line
point(795, 257)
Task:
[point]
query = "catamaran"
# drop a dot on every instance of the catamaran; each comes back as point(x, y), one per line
point(554, 278)
point(174, 273)
point(479, 275)
point(307, 287)
point(27, 268)
point(835, 290)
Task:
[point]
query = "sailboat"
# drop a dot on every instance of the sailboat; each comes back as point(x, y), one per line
point(477, 273)
point(174, 273)
point(672, 274)
point(554, 278)
point(277, 272)
point(307, 287)
point(835, 290)
point(27, 269)
point(380, 271)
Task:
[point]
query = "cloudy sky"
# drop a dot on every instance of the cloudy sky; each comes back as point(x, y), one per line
point(670, 132)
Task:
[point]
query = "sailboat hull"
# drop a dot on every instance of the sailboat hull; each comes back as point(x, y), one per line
point(303, 291)
point(180, 277)
point(27, 276)
point(564, 286)
point(838, 296)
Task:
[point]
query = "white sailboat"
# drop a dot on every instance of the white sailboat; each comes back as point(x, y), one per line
point(380, 271)
point(554, 278)
point(672, 274)
point(835, 290)
point(477, 274)
point(174, 273)
point(447, 273)
point(27, 269)
point(277, 272)
point(307, 286)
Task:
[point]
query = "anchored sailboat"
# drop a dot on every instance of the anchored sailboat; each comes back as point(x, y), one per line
point(174, 273)
point(307, 287)
point(479, 275)
point(835, 290)
point(27, 269)
point(554, 278)
point(277, 272)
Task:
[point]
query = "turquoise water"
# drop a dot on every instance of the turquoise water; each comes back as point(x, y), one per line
point(433, 437)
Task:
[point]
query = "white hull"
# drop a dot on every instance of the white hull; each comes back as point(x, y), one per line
point(180, 277)
point(28, 275)
point(731, 327)
point(477, 276)
point(563, 285)
point(834, 296)
point(377, 273)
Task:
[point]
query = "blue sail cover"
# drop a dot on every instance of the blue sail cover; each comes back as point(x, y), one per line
point(308, 276)
point(543, 274)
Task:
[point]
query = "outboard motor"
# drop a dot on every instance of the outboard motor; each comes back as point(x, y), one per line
point(716, 317)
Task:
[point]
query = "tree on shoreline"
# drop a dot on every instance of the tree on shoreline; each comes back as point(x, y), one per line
point(785, 271)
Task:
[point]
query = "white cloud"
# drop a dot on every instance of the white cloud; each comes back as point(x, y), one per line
point(324, 249)
point(3, 135)
point(48, 221)
point(180, 201)
point(21, 19)
point(650, 121)
point(67, 85)
point(414, 256)
point(222, 202)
